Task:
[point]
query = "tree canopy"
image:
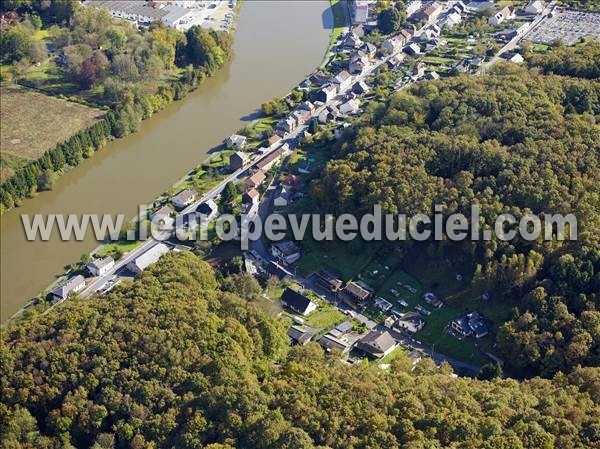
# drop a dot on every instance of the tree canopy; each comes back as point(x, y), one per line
point(171, 360)
point(512, 142)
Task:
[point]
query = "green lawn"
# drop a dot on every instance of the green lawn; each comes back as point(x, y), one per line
point(326, 317)
point(392, 355)
point(346, 259)
point(540, 48)
point(124, 246)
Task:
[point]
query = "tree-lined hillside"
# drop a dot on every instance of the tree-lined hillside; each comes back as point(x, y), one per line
point(173, 361)
point(513, 142)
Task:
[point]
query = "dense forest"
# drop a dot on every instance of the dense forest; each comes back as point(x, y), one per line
point(515, 141)
point(107, 62)
point(172, 360)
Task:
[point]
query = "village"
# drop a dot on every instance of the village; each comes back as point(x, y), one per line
point(376, 309)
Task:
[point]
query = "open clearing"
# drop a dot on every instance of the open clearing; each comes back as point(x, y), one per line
point(33, 123)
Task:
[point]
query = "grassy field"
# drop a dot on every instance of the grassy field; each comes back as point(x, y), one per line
point(32, 123)
point(122, 246)
point(340, 258)
point(392, 355)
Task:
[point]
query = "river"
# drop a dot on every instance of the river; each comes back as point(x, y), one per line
point(277, 44)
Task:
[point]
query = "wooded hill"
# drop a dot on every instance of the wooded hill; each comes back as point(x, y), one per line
point(518, 142)
point(173, 361)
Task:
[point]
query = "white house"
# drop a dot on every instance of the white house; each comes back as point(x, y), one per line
point(287, 251)
point(236, 142)
point(287, 125)
point(65, 289)
point(350, 107)
point(327, 93)
point(148, 258)
point(452, 19)
point(184, 198)
point(361, 87)
point(412, 49)
point(396, 60)
point(297, 302)
point(534, 7)
point(282, 199)
point(207, 211)
point(430, 33)
point(100, 267)
point(393, 44)
point(342, 81)
point(506, 13)
point(513, 57)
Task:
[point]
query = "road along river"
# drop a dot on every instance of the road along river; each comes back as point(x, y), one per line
point(277, 44)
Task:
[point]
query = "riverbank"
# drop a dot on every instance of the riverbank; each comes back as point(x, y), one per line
point(254, 141)
point(36, 159)
point(144, 165)
point(341, 23)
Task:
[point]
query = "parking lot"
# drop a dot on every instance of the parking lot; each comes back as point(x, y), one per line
point(216, 15)
point(566, 26)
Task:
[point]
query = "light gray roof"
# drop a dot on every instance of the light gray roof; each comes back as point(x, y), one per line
point(151, 256)
point(186, 195)
point(376, 342)
point(101, 263)
point(168, 13)
point(175, 13)
point(346, 326)
point(130, 7)
point(63, 290)
point(330, 342)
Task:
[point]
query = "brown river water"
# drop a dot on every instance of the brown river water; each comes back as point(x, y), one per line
point(277, 44)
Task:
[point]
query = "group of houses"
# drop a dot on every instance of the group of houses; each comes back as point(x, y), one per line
point(97, 267)
point(298, 117)
point(342, 338)
point(374, 344)
point(454, 15)
point(427, 13)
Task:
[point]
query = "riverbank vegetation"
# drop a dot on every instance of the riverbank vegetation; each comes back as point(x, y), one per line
point(86, 56)
point(173, 360)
